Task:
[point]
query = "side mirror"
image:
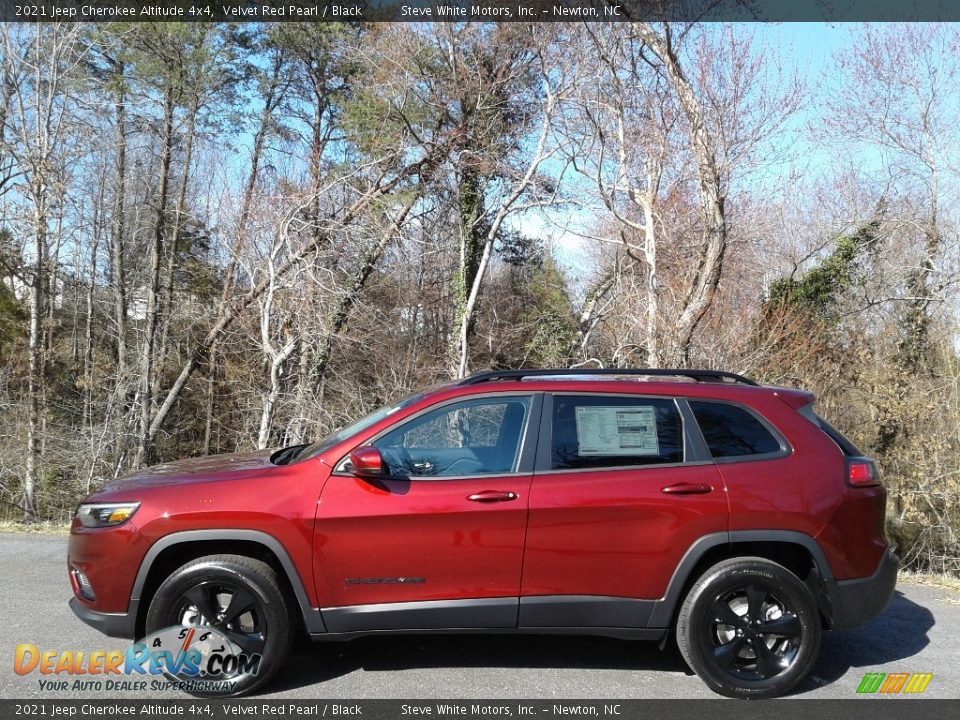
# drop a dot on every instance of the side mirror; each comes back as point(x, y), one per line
point(367, 462)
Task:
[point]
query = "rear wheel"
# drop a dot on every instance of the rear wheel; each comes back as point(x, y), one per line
point(749, 628)
point(243, 601)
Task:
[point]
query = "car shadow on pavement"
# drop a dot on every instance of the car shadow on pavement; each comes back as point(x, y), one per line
point(897, 634)
point(317, 662)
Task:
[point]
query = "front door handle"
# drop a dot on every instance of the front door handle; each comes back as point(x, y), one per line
point(687, 489)
point(492, 496)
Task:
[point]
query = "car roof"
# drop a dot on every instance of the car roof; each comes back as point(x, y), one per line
point(715, 384)
point(683, 375)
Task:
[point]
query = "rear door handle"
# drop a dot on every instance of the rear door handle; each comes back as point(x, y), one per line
point(687, 489)
point(492, 496)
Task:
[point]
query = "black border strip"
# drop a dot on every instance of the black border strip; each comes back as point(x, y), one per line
point(32, 11)
point(859, 707)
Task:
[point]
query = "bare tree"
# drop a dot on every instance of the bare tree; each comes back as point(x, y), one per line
point(898, 99)
point(654, 113)
point(148, 349)
point(629, 155)
point(522, 188)
point(278, 345)
point(274, 89)
point(43, 57)
point(381, 185)
point(9, 77)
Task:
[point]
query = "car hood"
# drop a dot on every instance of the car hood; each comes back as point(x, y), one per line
point(211, 468)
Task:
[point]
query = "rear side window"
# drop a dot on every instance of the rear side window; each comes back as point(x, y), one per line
point(598, 432)
point(731, 431)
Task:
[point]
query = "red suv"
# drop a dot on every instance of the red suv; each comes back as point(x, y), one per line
point(627, 503)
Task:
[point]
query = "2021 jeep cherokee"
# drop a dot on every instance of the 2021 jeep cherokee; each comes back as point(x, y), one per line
point(630, 503)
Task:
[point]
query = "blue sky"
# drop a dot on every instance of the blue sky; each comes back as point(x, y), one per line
point(808, 47)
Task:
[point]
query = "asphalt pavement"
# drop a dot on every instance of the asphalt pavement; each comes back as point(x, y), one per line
point(919, 632)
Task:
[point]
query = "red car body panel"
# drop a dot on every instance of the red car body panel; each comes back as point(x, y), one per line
point(418, 530)
point(96, 551)
point(807, 492)
point(230, 491)
point(853, 537)
point(614, 532)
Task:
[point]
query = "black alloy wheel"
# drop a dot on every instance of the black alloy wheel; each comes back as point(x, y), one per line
point(244, 601)
point(749, 628)
point(227, 607)
point(755, 635)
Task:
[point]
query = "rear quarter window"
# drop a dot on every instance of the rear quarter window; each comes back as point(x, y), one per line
point(847, 447)
point(731, 431)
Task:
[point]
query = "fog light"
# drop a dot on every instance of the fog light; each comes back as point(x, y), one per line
point(84, 588)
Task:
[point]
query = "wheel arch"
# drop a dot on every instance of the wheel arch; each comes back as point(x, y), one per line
point(796, 551)
point(174, 550)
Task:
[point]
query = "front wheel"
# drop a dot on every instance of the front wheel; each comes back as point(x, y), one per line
point(242, 601)
point(749, 628)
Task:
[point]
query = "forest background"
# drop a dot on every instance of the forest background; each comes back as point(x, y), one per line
point(218, 237)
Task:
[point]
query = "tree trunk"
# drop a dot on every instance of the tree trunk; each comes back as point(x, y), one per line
point(269, 402)
point(471, 205)
point(118, 274)
point(75, 320)
point(589, 316)
point(297, 430)
point(6, 93)
point(88, 323)
point(177, 225)
point(153, 290)
point(35, 350)
point(316, 155)
point(706, 279)
point(653, 290)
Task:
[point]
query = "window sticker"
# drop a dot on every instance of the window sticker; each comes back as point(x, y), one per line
point(617, 430)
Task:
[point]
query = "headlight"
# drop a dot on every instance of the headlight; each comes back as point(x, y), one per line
point(97, 515)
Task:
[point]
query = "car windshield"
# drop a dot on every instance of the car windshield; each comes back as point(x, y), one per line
point(314, 449)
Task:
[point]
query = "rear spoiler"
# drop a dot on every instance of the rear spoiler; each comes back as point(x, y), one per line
point(795, 398)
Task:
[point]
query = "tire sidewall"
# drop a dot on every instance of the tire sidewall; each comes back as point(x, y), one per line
point(272, 608)
point(697, 645)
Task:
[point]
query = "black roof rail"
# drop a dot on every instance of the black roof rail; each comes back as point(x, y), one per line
point(698, 375)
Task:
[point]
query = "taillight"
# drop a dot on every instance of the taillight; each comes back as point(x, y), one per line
point(861, 472)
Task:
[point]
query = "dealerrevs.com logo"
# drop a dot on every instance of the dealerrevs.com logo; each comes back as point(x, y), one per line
point(195, 659)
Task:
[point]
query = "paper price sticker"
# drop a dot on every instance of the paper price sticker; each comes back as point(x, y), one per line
point(617, 431)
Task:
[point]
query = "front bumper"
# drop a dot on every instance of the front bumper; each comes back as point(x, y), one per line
point(854, 602)
point(118, 625)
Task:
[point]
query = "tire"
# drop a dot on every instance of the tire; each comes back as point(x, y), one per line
point(261, 619)
point(764, 605)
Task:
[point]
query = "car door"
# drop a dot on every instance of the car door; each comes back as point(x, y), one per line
point(438, 543)
point(620, 492)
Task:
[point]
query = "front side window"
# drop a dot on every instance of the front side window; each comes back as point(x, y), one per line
point(731, 431)
point(601, 431)
point(473, 437)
